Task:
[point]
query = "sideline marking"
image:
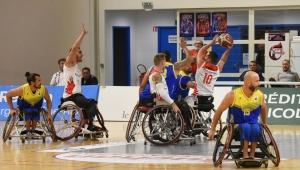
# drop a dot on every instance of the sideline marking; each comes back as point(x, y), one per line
point(136, 158)
point(86, 147)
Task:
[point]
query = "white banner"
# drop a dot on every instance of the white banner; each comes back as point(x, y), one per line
point(116, 103)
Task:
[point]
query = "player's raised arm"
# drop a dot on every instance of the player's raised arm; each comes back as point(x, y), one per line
point(189, 58)
point(202, 52)
point(226, 102)
point(71, 59)
point(224, 57)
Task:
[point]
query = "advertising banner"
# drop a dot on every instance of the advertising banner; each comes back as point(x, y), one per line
point(282, 105)
point(55, 93)
point(277, 49)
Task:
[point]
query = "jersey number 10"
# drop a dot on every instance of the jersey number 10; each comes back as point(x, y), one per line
point(207, 78)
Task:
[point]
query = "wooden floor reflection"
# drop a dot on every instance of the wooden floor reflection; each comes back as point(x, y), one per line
point(16, 155)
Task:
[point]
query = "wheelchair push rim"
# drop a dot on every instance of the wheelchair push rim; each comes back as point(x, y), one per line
point(271, 146)
point(49, 126)
point(8, 127)
point(67, 122)
point(131, 127)
point(221, 152)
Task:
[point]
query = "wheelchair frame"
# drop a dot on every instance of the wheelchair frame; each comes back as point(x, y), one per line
point(12, 127)
point(224, 149)
point(203, 119)
point(68, 121)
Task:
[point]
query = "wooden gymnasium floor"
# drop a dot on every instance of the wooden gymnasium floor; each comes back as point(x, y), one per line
point(115, 153)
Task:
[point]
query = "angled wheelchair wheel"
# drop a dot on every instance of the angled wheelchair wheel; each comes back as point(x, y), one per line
point(100, 121)
point(270, 146)
point(205, 122)
point(134, 124)
point(10, 122)
point(67, 121)
point(192, 116)
point(222, 145)
point(161, 126)
point(46, 125)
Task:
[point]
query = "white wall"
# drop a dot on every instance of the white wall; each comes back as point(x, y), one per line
point(277, 17)
point(35, 34)
point(143, 40)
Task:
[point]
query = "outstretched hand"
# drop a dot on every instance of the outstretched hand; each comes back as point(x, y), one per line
point(182, 43)
point(215, 40)
point(229, 47)
point(83, 29)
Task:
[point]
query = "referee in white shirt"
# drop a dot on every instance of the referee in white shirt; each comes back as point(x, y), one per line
point(58, 77)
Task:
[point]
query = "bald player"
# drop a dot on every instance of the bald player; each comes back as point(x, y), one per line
point(245, 105)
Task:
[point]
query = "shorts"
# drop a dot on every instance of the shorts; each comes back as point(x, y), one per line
point(32, 116)
point(250, 131)
point(82, 103)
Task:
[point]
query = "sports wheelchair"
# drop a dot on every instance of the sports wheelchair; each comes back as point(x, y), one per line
point(203, 107)
point(229, 146)
point(135, 122)
point(68, 123)
point(15, 126)
point(161, 126)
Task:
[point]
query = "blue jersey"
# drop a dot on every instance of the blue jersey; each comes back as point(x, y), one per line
point(169, 75)
point(244, 109)
point(146, 94)
point(180, 89)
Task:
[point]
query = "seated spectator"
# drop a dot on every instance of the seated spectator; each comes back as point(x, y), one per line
point(252, 67)
point(286, 75)
point(87, 78)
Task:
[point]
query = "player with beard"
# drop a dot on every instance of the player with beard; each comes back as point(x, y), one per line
point(72, 91)
point(245, 105)
point(30, 101)
point(182, 84)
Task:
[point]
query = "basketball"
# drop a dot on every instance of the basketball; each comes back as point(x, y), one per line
point(225, 39)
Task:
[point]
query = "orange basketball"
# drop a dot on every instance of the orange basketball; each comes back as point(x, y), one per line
point(225, 39)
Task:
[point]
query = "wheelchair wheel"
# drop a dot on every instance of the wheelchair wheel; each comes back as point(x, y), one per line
point(10, 122)
point(67, 121)
point(100, 121)
point(270, 145)
point(161, 126)
point(222, 145)
point(133, 124)
point(46, 125)
point(192, 116)
point(204, 122)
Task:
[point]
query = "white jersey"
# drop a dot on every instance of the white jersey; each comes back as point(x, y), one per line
point(57, 79)
point(206, 76)
point(72, 80)
point(153, 86)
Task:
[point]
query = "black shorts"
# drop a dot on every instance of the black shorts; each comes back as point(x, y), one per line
point(80, 101)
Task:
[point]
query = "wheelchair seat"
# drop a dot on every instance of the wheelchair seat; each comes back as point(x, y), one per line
point(67, 103)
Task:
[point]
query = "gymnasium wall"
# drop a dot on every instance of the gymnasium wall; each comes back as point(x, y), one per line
point(35, 34)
